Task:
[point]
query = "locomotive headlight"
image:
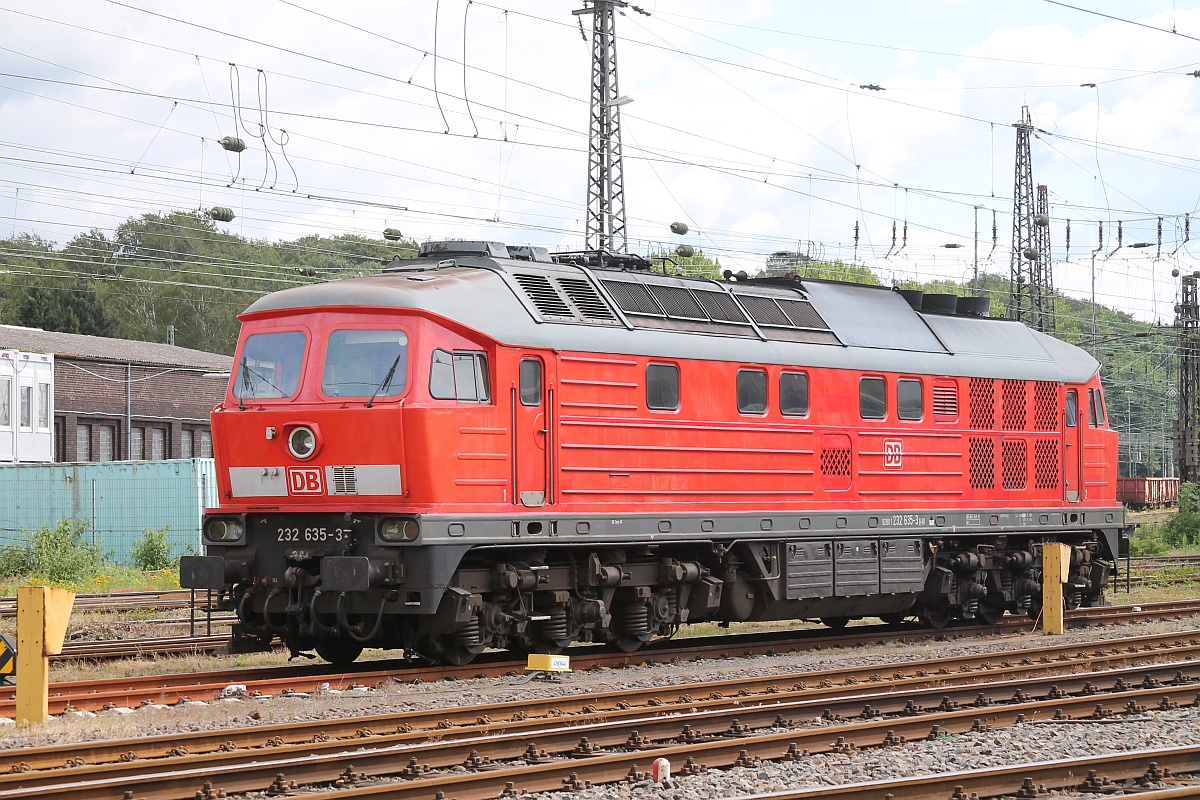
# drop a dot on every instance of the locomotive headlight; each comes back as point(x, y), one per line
point(394, 529)
point(302, 442)
point(223, 530)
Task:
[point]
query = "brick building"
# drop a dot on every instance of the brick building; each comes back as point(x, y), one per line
point(118, 399)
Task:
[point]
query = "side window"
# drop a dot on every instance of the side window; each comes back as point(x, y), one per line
point(26, 406)
point(1095, 408)
point(5, 401)
point(461, 376)
point(43, 412)
point(1100, 420)
point(1072, 408)
point(531, 382)
point(662, 387)
point(793, 393)
point(752, 391)
point(910, 399)
point(872, 398)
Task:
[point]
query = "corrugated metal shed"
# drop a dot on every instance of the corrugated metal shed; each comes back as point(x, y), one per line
point(118, 500)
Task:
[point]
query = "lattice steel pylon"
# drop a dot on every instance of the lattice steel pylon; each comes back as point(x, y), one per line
point(606, 180)
point(1031, 294)
point(1186, 441)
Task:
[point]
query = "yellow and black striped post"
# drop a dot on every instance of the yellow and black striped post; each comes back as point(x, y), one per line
point(8, 658)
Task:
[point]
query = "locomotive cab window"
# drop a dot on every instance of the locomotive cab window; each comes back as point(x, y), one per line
point(752, 391)
point(531, 382)
point(461, 376)
point(362, 363)
point(270, 365)
point(793, 393)
point(1096, 408)
point(872, 398)
point(910, 399)
point(662, 387)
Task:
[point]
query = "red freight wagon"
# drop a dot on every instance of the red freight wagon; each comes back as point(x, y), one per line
point(1148, 492)
point(487, 446)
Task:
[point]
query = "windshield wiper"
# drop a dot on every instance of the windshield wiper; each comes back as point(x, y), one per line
point(248, 388)
point(245, 386)
point(387, 379)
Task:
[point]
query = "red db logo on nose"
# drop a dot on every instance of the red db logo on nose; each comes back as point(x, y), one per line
point(304, 480)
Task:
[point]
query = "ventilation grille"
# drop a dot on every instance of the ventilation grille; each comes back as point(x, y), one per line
point(720, 307)
point(344, 481)
point(1045, 406)
point(586, 298)
point(835, 462)
point(1013, 405)
point(633, 298)
point(543, 295)
point(983, 403)
point(1045, 463)
point(945, 400)
point(802, 314)
point(1014, 454)
point(677, 302)
point(983, 463)
point(764, 311)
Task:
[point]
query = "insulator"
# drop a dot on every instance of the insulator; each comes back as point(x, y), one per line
point(1042, 221)
point(952, 246)
point(392, 234)
point(221, 214)
point(679, 228)
point(1174, 273)
point(232, 143)
point(1031, 253)
point(685, 251)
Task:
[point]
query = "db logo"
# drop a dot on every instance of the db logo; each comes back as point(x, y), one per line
point(893, 454)
point(304, 480)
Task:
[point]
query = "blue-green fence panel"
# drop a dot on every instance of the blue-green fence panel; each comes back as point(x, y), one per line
point(118, 500)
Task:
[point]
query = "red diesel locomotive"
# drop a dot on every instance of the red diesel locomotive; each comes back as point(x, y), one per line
point(486, 446)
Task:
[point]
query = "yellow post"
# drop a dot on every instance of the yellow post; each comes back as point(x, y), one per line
point(1056, 564)
point(42, 616)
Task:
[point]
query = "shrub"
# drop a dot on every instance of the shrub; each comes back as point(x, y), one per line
point(1183, 530)
point(153, 552)
point(57, 556)
point(1148, 541)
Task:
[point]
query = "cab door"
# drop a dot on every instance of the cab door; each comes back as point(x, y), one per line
point(1072, 448)
point(531, 432)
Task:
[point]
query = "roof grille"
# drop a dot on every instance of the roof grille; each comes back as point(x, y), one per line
point(633, 298)
point(720, 307)
point(802, 314)
point(677, 302)
point(544, 296)
point(585, 298)
point(764, 311)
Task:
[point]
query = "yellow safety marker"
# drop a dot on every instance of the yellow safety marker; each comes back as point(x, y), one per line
point(541, 662)
point(42, 616)
point(8, 658)
point(1056, 565)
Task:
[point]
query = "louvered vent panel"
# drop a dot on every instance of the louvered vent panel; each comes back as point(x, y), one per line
point(720, 307)
point(677, 302)
point(1045, 406)
point(586, 298)
point(802, 314)
point(983, 403)
point(344, 480)
point(764, 311)
point(1045, 463)
point(1014, 455)
point(835, 462)
point(945, 400)
point(982, 463)
point(1012, 415)
point(543, 295)
point(633, 298)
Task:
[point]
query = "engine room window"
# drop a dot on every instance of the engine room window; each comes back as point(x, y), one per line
point(1096, 408)
point(793, 393)
point(752, 391)
point(662, 387)
point(1072, 408)
point(531, 382)
point(461, 376)
point(270, 365)
point(910, 399)
point(872, 398)
point(362, 363)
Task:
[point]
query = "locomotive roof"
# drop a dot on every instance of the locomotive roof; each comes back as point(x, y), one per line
point(537, 303)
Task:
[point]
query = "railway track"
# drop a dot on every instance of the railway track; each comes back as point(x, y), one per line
point(135, 691)
point(474, 752)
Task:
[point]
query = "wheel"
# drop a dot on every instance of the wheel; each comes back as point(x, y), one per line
point(339, 651)
point(457, 656)
point(895, 618)
point(837, 623)
point(938, 617)
point(989, 614)
point(628, 644)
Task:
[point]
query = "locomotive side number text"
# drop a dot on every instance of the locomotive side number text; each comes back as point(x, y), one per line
point(310, 534)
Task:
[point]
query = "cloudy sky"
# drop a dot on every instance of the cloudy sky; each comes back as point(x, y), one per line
point(748, 121)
